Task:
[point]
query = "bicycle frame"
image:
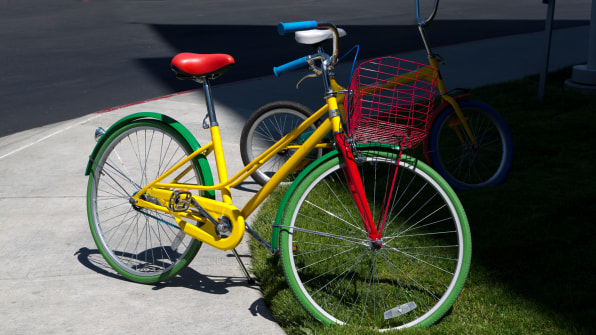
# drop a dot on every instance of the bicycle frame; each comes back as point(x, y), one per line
point(433, 61)
point(447, 98)
point(206, 231)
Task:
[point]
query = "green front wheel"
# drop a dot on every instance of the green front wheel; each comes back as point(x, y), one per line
point(341, 277)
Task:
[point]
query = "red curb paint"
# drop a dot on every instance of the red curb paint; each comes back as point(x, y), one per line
point(144, 101)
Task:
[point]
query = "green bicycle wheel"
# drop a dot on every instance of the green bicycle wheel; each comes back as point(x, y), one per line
point(144, 246)
point(340, 277)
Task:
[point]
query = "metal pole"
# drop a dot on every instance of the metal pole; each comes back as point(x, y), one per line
point(548, 30)
point(592, 39)
point(583, 76)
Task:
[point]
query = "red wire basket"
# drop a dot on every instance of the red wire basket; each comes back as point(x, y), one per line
point(390, 101)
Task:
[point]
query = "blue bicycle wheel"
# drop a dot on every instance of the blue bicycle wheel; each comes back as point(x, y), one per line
point(466, 165)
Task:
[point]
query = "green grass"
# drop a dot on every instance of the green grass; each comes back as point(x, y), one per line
point(533, 268)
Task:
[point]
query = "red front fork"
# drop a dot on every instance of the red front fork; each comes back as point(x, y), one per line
point(357, 188)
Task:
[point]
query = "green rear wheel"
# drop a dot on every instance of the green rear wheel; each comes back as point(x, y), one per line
point(143, 245)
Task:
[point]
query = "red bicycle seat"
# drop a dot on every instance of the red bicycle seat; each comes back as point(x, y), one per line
point(190, 65)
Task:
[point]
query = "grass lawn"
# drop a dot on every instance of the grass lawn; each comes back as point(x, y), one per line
point(533, 261)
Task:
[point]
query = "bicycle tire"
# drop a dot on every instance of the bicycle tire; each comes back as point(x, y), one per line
point(340, 278)
point(142, 245)
point(264, 128)
point(466, 166)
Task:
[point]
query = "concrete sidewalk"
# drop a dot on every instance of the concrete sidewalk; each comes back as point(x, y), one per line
point(55, 281)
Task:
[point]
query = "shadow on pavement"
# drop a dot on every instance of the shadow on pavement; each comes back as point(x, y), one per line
point(257, 49)
point(187, 278)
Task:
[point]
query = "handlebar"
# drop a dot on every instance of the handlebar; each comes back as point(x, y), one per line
point(291, 66)
point(290, 27)
point(426, 21)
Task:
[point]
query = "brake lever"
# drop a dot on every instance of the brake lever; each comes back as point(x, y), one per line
point(312, 75)
point(316, 73)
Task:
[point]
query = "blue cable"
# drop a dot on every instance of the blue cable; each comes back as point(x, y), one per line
point(357, 47)
point(347, 108)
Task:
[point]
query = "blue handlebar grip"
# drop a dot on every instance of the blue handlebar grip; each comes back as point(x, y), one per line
point(291, 66)
point(291, 27)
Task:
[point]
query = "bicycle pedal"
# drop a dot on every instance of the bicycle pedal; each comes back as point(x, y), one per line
point(180, 201)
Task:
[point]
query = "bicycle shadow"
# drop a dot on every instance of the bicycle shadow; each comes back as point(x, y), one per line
point(248, 186)
point(187, 278)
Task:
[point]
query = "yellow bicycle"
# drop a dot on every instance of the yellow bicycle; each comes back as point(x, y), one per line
point(365, 235)
point(468, 142)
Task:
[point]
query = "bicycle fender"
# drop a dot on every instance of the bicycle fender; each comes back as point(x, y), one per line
point(444, 105)
point(177, 126)
point(284, 202)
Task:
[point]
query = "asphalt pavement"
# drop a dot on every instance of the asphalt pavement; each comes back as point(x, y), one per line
point(63, 59)
point(55, 281)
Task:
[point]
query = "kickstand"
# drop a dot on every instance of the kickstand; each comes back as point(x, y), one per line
point(243, 268)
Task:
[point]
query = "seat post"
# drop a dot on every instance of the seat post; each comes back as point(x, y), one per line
point(209, 101)
point(217, 145)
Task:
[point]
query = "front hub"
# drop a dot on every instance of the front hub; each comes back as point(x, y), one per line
point(375, 245)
